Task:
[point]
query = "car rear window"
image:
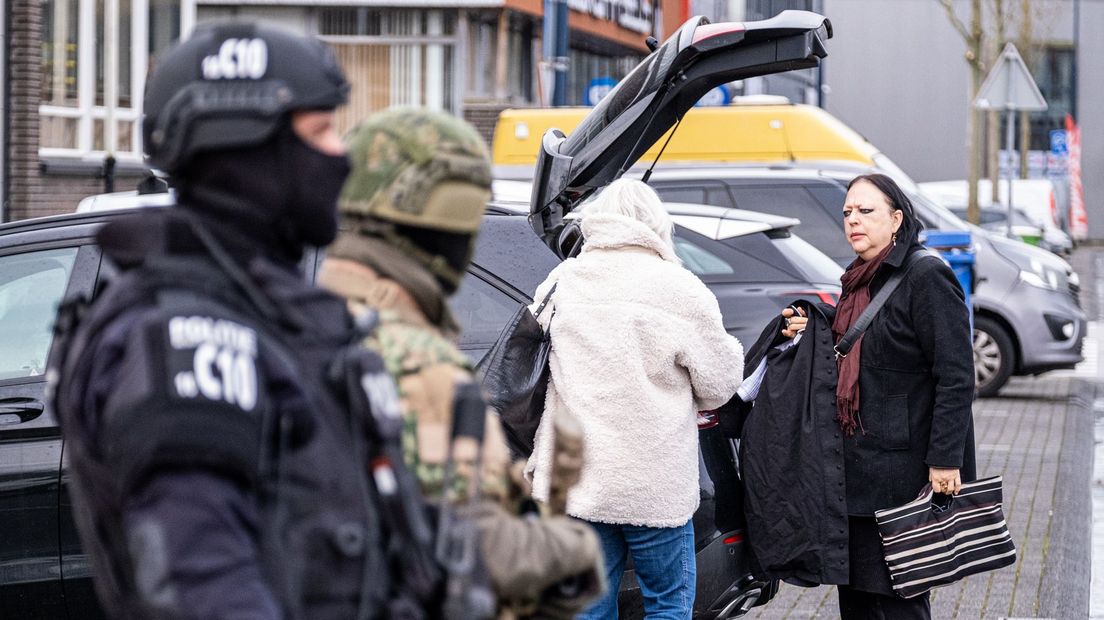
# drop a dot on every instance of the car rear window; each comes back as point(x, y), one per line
point(819, 226)
point(747, 258)
point(508, 248)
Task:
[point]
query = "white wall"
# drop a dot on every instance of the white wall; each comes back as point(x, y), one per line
point(1090, 109)
point(897, 75)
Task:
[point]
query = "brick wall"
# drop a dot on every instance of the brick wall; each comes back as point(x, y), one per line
point(484, 115)
point(25, 78)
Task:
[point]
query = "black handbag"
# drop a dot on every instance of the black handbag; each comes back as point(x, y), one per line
point(515, 376)
point(928, 544)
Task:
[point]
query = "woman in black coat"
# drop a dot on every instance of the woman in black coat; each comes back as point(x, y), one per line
point(905, 391)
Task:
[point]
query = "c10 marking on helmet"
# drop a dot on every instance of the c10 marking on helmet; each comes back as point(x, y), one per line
point(237, 59)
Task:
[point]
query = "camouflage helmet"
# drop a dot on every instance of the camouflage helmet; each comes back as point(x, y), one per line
point(418, 168)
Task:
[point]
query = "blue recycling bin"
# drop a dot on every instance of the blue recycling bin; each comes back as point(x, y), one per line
point(956, 247)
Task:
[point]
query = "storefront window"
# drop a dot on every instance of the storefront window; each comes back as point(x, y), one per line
point(393, 57)
point(59, 51)
point(163, 27)
point(1055, 77)
point(587, 66)
point(123, 70)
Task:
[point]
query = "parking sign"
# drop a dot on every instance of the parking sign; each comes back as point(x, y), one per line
point(597, 89)
point(1059, 145)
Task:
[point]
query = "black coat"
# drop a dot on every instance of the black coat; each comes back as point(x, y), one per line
point(916, 388)
point(803, 476)
point(791, 457)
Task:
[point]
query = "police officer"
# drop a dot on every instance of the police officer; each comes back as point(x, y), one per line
point(218, 454)
point(410, 213)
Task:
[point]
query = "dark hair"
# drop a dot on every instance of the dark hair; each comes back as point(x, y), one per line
point(898, 200)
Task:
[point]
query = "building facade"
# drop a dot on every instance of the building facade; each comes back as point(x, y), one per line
point(74, 97)
point(897, 74)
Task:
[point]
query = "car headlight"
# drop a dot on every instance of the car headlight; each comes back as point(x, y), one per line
point(1033, 272)
point(1034, 279)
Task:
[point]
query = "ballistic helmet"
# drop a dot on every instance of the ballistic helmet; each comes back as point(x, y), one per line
point(417, 168)
point(231, 85)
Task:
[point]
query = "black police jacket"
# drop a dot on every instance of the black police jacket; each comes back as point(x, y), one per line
point(916, 388)
point(215, 471)
point(791, 457)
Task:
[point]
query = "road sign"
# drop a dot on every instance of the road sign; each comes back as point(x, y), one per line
point(598, 88)
point(714, 97)
point(1009, 86)
point(1059, 144)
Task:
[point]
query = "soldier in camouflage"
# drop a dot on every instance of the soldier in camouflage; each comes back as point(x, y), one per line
point(411, 210)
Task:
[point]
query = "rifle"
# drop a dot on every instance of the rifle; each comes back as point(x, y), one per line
point(567, 467)
point(468, 593)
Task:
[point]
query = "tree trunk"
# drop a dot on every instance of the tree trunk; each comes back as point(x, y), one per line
point(973, 126)
point(1027, 47)
point(994, 126)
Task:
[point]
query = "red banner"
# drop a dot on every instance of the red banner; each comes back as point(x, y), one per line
point(1078, 217)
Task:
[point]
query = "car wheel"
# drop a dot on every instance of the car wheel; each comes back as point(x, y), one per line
point(994, 356)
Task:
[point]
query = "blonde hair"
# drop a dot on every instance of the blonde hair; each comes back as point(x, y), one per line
point(634, 199)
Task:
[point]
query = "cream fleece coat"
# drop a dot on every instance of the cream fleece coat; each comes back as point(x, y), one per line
point(638, 348)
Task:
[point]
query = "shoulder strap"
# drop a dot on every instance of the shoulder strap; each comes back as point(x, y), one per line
point(843, 347)
point(548, 296)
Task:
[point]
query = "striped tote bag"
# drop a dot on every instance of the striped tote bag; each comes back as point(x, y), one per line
point(928, 544)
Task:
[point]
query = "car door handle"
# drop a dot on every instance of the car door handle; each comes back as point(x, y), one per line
point(19, 410)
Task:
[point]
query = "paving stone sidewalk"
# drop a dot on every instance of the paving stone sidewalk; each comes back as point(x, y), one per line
point(1038, 435)
point(1019, 436)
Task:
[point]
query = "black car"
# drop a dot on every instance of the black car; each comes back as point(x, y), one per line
point(751, 262)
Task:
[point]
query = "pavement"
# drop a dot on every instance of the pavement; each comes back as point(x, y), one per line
point(1039, 435)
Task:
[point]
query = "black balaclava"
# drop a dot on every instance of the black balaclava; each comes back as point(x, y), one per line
point(454, 248)
point(272, 199)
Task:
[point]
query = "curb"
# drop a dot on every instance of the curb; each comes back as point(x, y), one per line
point(1065, 571)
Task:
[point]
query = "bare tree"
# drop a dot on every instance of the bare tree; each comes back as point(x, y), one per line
point(983, 47)
point(1026, 43)
point(974, 37)
point(1001, 19)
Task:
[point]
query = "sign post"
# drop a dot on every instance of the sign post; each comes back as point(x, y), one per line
point(1010, 87)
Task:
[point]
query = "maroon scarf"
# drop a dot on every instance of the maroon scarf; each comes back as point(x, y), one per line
point(855, 299)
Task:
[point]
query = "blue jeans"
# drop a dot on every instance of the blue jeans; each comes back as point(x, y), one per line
point(665, 564)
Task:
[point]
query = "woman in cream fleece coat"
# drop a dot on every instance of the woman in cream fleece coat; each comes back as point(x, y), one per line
point(638, 348)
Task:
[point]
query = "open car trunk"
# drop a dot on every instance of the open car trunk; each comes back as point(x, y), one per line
point(653, 97)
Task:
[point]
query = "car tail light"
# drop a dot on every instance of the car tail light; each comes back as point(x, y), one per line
point(707, 419)
point(734, 538)
point(709, 31)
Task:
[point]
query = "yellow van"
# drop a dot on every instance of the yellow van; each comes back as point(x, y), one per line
point(754, 129)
